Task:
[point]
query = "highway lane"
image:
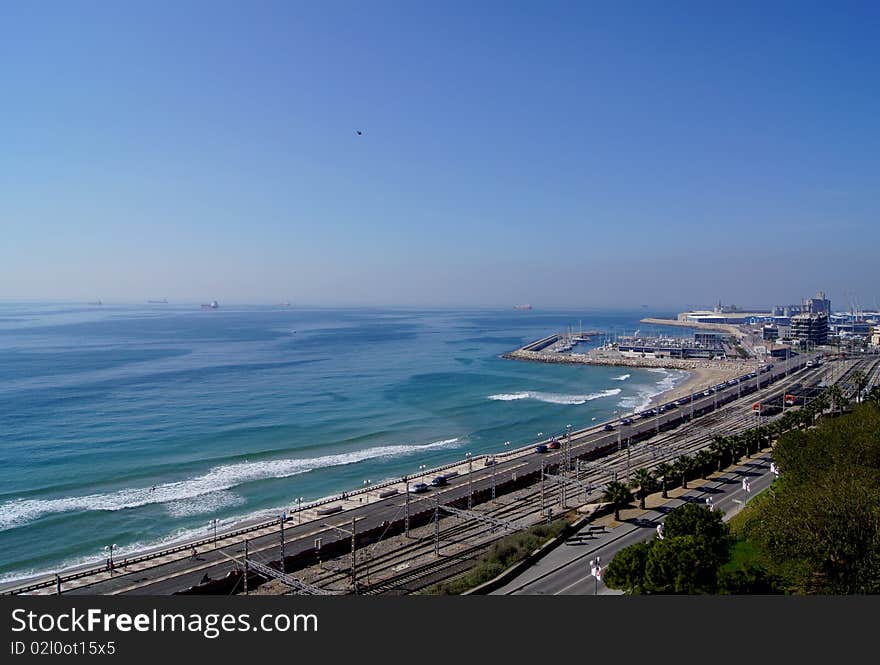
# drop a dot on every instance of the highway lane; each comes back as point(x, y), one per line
point(566, 570)
point(183, 571)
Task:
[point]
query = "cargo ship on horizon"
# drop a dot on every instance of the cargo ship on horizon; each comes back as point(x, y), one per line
point(522, 306)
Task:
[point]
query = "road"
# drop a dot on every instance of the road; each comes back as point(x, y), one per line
point(566, 570)
point(173, 571)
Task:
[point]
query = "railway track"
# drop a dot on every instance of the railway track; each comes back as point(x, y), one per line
point(421, 569)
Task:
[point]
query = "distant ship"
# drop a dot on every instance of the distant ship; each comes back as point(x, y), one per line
point(522, 306)
point(97, 302)
point(213, 305)
point(285, 304)
point(164, 301)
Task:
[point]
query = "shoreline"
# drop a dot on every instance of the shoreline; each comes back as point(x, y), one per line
point(698, 379)
point(701, 373)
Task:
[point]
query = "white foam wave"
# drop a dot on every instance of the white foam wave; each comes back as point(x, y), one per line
point(21, 511)
point(207, 503)
point(622, 377)
point(555, 398)
point(645, 394)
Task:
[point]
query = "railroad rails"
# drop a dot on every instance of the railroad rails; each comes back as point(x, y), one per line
point(412, 560)
point(413, 565)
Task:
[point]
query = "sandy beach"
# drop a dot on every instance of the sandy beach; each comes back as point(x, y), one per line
point(701, 373)
point(699, 379)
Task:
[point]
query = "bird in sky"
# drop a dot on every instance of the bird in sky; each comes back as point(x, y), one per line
point(359, 132)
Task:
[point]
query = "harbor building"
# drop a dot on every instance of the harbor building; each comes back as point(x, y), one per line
point(770, 333)
point(818, 305)
point(812, 328)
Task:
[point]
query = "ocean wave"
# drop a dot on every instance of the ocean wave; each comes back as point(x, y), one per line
point(646, 394)
point(622, 377)
point(22, 511)
point(555, 398)
point(207, 503)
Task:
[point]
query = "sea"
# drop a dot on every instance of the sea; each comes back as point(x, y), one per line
point(140, 425)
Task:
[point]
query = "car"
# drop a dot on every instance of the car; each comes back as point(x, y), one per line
point(707, 393)
point(439, 481)
point(609, 427)
point(541, 448)
point(489, 461)
point(809, 363)
point(673, 405)
point(626, 421)
point(647, 414)
point(679, 402)
point(418, 488)
point(554, 445)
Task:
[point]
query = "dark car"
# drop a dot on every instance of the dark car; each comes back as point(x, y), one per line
point(626, 421)
point(489, 461)
point(438, 481)
point(554, 445)
point(672, 405)
point(418, 488)
point(609, 427)
point(541, 448)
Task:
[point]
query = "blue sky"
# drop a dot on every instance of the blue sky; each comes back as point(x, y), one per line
point(579, 154)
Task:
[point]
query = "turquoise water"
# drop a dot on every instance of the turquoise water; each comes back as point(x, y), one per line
point(137, 425)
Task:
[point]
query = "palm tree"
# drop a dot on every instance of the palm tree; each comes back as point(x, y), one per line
point(859, 380)
point(618, 495)
point(682, 467)
point(705, 462)
point(720, 447)
point(643, 482)
point(661, 472)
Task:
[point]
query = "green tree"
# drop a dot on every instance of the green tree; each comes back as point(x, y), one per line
point(693, 519)
point(859, 380)
point(627, 569)
point(618, 495)
point(682, 565)
point(683, 467)
point(643, 482)
point(662, 472)
point(704, 461)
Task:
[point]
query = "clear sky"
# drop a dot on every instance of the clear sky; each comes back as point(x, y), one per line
point(577, 153)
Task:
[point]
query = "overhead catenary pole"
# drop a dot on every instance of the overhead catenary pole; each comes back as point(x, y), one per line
point(245, 566)
point(281, 519)
point(470, 502)
point(437, 526)
point(354, 553)
point(406, 518)
point(542, 486)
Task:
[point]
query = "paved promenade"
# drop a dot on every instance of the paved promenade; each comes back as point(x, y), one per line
point(566, 570)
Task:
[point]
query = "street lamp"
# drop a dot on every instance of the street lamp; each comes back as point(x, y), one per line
point(108, 550)
point(596, 571)
point(299, 501)
point(213, 523)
